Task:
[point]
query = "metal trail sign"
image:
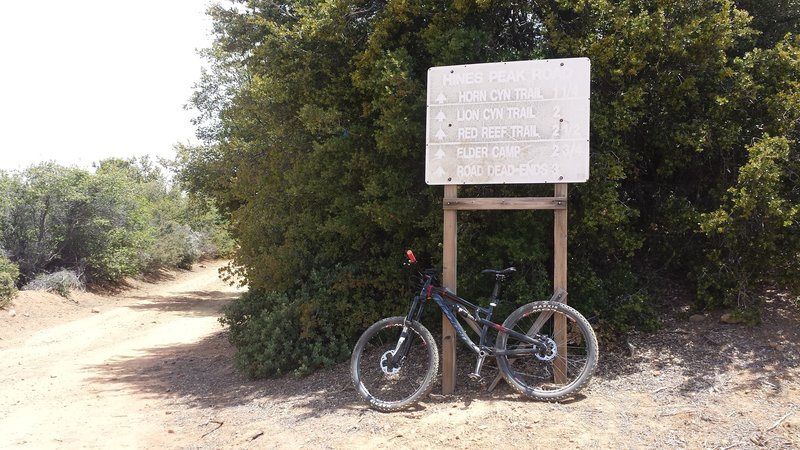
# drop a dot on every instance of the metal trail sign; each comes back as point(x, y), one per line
point(510, 122)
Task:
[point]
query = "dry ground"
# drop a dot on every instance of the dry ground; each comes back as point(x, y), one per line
point(151, 368)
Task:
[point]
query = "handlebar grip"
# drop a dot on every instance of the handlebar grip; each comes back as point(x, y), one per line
point(411, 257)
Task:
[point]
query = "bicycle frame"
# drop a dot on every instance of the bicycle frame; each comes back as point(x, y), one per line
point(451, 304)
point(447, 298)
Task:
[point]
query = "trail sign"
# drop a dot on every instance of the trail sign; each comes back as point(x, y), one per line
point(512, 122)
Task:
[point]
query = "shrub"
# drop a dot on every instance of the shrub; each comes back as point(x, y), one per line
point(62, 283)
point(314, 177)
point(753, 238)
point(264, 329)
point(216, 243)
point(273, 337)
point(277, 333)
point(9, 274)
point(176, 245)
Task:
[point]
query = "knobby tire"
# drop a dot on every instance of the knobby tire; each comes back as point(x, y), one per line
point(546, 380)
point(415, 377)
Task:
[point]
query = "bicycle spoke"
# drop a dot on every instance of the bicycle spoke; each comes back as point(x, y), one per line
point(539, 323)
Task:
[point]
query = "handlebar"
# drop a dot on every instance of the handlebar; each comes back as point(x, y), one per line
point(431, 273)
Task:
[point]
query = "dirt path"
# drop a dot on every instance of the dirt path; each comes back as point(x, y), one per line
point(86, 382)
point(153, 369)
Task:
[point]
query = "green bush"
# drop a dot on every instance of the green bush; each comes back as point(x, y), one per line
point(67, 217)
point(216, 243)
point(277, 334)
point(754, 237)
point(179, 245)
point(264, 327)
point(175, 245)
point(273, 337)
point(9, 274)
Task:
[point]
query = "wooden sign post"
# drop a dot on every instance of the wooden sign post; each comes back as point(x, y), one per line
point(560, 282)
point(449, 275)
point(499, 123)
point(452, 204)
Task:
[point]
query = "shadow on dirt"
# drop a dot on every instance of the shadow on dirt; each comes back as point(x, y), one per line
point(202, 375)
point(195, 303)
point(704, 349)
point(160, 275)
point(109, 288)
point(112, 288)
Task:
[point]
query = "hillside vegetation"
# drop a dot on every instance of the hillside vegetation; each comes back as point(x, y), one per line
point(312, 116)
point(63, 227)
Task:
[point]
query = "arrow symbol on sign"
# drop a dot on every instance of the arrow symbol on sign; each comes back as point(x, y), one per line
point(440, 154)
point(440, 117)
point(441, 99)
point(440, 135)
point(440, 172)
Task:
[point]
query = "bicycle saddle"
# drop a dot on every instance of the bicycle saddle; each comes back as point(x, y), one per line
point(505, 271)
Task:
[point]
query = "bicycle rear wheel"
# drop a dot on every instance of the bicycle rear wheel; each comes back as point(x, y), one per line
point(552, 373)
point(391, 389)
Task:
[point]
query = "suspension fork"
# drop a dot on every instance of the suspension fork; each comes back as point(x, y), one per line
point(406, 337)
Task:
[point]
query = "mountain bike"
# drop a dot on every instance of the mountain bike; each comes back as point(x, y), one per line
point(545, 350)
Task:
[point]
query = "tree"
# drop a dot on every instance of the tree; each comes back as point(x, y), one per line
point(34, 220)
point(9, 273)
point(119, 221)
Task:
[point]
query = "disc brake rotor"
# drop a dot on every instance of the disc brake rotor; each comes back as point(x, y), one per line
point(385, 363)
point(548, 352)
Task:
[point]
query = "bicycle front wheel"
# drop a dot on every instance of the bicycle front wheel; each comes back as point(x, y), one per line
point(560, 368)
point(387, 387)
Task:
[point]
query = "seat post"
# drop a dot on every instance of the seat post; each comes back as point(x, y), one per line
point(498, 281)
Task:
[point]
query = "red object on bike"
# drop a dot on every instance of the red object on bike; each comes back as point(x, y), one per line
point(411, 257)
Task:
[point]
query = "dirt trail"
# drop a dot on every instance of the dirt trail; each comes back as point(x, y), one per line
point(152, 368)
point(62, 386)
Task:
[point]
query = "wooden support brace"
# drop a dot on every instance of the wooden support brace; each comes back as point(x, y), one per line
point(530, 203)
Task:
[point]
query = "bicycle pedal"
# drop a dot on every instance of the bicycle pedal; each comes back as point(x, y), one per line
point(474, 377)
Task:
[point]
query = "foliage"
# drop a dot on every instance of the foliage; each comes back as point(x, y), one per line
point(275, 334)
point(754, 235)
point(265, 338)
point(118, 221)
point(773, 19)
point(675, 114)
point(313, 122)
point(9, 273)
point(34, 214)
point(66, 217)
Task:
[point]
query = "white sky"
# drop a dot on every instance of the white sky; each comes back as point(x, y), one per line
point(85, 80)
